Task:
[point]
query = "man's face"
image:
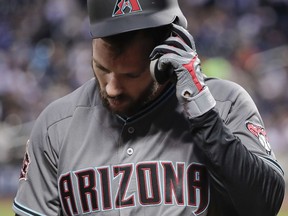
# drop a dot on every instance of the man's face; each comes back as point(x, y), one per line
point(124, 78)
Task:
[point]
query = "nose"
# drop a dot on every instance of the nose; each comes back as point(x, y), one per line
point(113, 87)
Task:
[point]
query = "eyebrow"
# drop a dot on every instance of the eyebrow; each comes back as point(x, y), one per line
point(101, 67)
point(98, 65)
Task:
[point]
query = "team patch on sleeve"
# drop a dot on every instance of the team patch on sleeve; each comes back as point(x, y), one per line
point(261, 134)
point(25, 164)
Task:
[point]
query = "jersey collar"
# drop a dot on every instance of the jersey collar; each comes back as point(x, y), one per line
point(167, 93)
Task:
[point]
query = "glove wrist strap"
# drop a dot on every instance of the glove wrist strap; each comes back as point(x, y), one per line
point(199, 104)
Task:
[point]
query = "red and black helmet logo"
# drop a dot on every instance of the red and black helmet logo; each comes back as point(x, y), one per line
point(123, 7)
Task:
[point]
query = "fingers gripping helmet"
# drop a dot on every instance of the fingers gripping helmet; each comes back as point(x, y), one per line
point(110, 17)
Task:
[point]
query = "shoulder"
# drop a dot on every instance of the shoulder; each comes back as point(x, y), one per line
point(223, 90)
point(230, 97)
point(57, 118)
point(63, 108)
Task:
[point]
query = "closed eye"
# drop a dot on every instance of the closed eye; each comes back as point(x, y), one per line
point(100, 67)
point(133, 75)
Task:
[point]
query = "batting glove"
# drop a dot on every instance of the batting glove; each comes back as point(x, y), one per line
point(179, 53)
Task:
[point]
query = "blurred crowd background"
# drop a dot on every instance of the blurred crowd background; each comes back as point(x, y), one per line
point(45, 53)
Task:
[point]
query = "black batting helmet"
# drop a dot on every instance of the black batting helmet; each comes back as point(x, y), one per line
point(110, 17)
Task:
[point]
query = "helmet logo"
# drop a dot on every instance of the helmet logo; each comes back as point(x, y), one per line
point(123, 7)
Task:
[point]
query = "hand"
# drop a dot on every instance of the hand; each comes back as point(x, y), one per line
point(179, 53)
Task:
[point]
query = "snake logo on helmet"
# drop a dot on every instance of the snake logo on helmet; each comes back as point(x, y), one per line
point(122, 5)
point(110, 17)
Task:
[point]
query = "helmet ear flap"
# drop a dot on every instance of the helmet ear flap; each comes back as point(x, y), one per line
point(177, 21)
point(181, 21)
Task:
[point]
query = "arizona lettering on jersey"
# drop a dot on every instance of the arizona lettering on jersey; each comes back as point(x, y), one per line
point(156, 183)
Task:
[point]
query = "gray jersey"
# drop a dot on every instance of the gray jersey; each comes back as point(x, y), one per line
point(82, 159)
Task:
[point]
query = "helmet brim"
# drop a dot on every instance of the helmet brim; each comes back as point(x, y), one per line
point(131, 22)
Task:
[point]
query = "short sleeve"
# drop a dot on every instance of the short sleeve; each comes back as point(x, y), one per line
point(37, 191)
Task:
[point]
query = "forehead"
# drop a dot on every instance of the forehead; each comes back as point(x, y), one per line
point(117, 56)
point(138, 44)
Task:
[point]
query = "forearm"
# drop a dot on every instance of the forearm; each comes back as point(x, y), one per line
point(254, 187)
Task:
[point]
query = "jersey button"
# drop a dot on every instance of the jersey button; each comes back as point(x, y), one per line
point(131, 130)
point(130, 151)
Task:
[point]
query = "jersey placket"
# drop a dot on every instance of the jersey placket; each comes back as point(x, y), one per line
point(130, 143)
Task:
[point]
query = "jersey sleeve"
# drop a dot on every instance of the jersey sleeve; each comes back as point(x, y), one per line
point(37, 191)
point(245, 122)
point(238, 155)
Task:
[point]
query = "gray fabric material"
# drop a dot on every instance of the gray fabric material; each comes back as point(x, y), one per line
point(76, 134)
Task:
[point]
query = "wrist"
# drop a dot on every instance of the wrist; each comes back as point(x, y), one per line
point(200, 104)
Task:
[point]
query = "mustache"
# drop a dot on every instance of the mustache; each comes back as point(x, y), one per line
point(105, 96)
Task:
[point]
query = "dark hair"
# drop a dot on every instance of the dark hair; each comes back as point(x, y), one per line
point(120, 41)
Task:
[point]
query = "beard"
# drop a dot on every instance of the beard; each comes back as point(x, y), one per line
point(133, 105)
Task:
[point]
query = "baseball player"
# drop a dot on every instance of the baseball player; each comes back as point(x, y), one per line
point(150, 134)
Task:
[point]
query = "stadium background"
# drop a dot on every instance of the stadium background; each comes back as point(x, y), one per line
point(45, 53)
